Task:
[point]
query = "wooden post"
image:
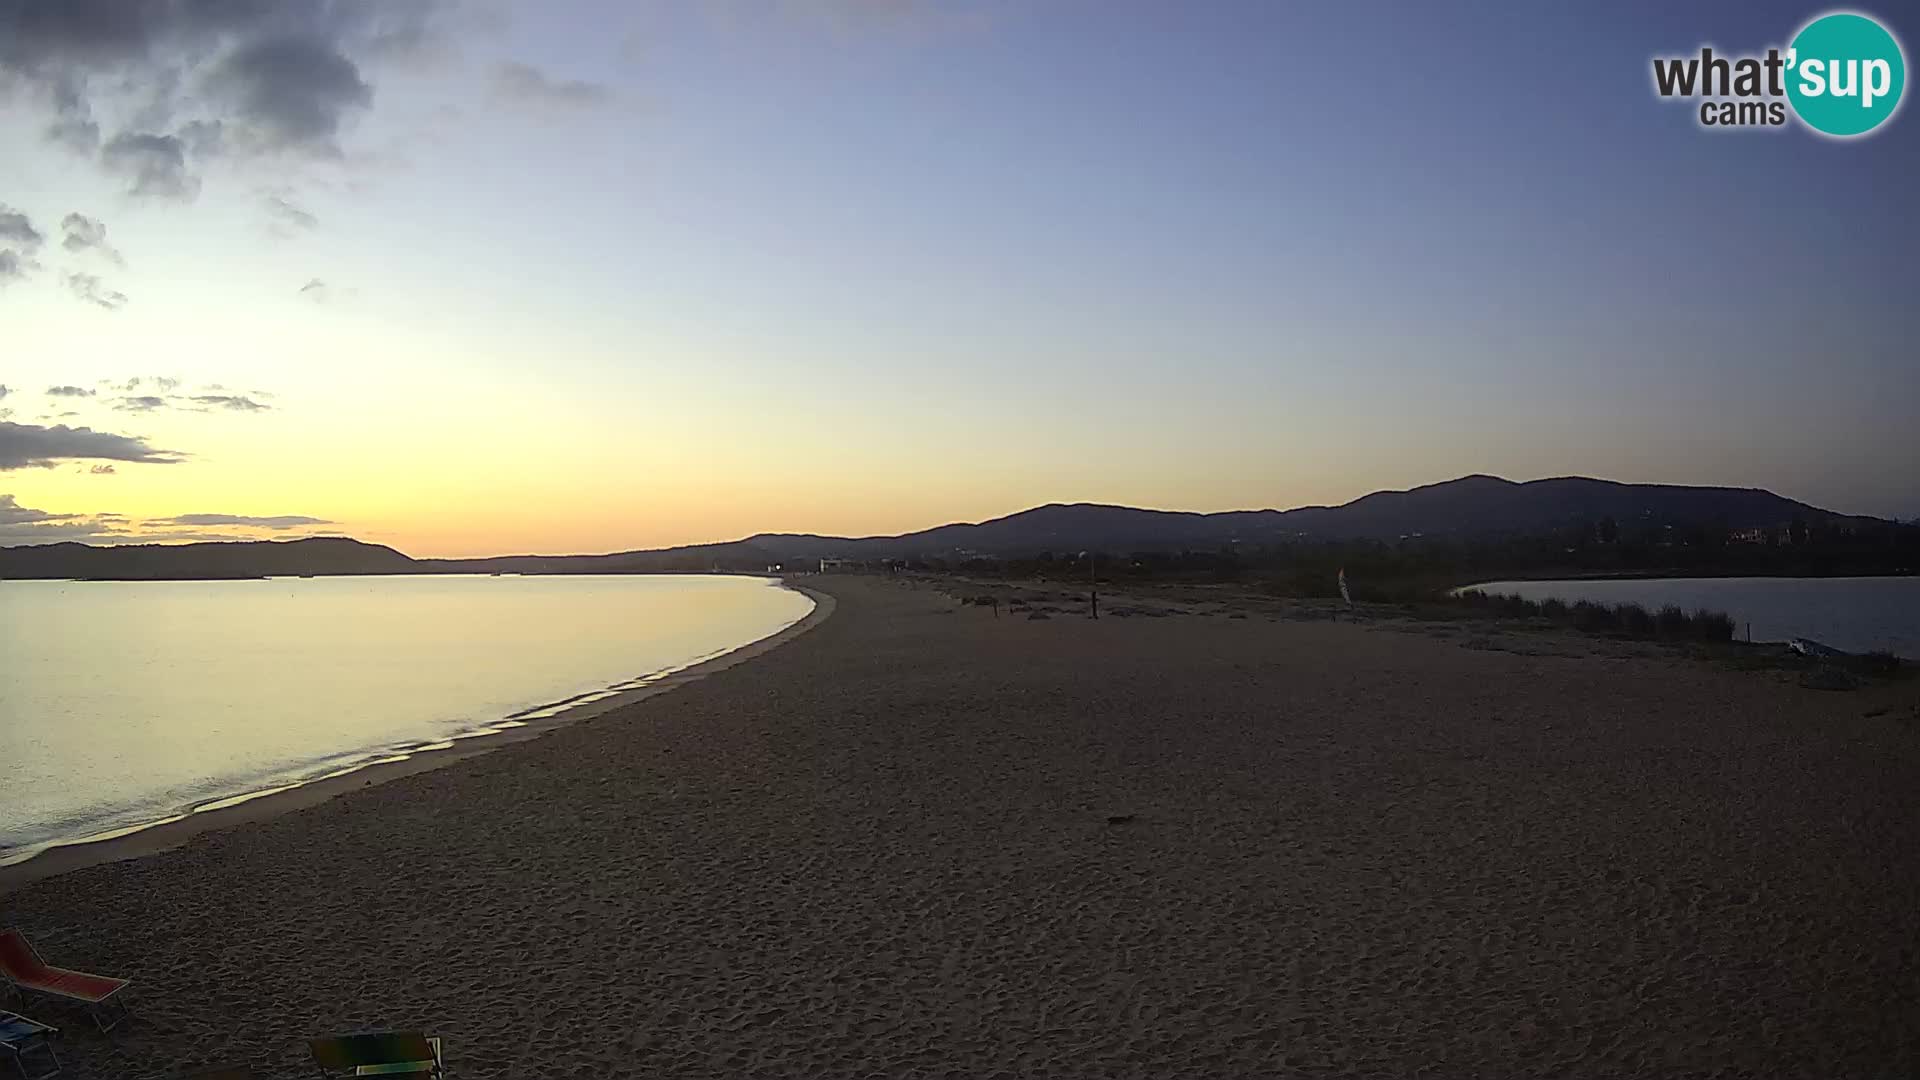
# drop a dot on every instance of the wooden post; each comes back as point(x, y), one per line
point(1093, 590)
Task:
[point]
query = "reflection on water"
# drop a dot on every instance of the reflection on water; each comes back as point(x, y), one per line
point(1853, 614)
point(124, 703)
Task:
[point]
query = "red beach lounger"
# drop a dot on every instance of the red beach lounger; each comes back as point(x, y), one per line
point(22, 967)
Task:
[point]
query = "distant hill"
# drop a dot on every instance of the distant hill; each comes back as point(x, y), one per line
point(1468, 507)
point(736, 555)
point(1473, 506)
point(238, 559)
point(1481, 505)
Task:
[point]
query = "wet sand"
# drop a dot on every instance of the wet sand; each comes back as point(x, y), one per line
point(920, 840)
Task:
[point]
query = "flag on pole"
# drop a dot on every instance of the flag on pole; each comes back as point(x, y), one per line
point(1344, 594)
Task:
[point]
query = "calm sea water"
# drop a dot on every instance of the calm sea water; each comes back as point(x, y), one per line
point(125, 703)
point(1855, 614)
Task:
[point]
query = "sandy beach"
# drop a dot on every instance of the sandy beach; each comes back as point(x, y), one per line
point(922, 840)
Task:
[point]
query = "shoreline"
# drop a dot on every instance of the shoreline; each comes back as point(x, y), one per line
point(240, 808)
point(932, 841)
point(1636, 575)
point(1683, 574)
point(1782, 614)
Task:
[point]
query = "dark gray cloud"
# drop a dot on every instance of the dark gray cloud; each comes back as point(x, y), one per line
point(4, 391)
point(166, 399)
point(102, 470)
point(17, 231)
point(216, 76)
point(31, 445)
point(18, 241)
point(12, 513)
point(29, 525)
point(154, 165)
point(89, 288)
point(294, 90)
point(283, 521)
point(234, 402)
point(524, 83)
point(24, 524)
point(73, 125)
point(203, 138)
point(14, 517)
point(58, 529)
point(87, 234)
point(56, 34)
point(68, 391)
point(45, 38)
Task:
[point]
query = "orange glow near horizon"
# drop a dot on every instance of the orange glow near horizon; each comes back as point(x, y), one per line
point(653, 310)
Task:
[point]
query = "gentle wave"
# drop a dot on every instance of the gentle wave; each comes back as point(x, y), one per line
point(67, 790)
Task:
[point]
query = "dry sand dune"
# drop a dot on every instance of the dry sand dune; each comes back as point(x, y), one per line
point(920, 841)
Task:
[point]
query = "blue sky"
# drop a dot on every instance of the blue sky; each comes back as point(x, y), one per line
point(595, 276)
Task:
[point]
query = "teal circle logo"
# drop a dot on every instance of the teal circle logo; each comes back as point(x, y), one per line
point(1845, 74)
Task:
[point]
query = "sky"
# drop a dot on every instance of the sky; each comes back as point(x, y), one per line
point(582, 276)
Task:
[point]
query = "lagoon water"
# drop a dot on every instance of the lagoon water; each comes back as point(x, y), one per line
point(1859, 614)
point(125, 703)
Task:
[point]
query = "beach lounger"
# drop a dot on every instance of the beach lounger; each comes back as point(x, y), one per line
point(379, 1053)
point(22, 968)
point(26, 1044)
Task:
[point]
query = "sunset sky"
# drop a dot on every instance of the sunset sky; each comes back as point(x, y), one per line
point(476, 279)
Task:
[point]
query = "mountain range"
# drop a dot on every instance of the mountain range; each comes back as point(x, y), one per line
point(1472, 506)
